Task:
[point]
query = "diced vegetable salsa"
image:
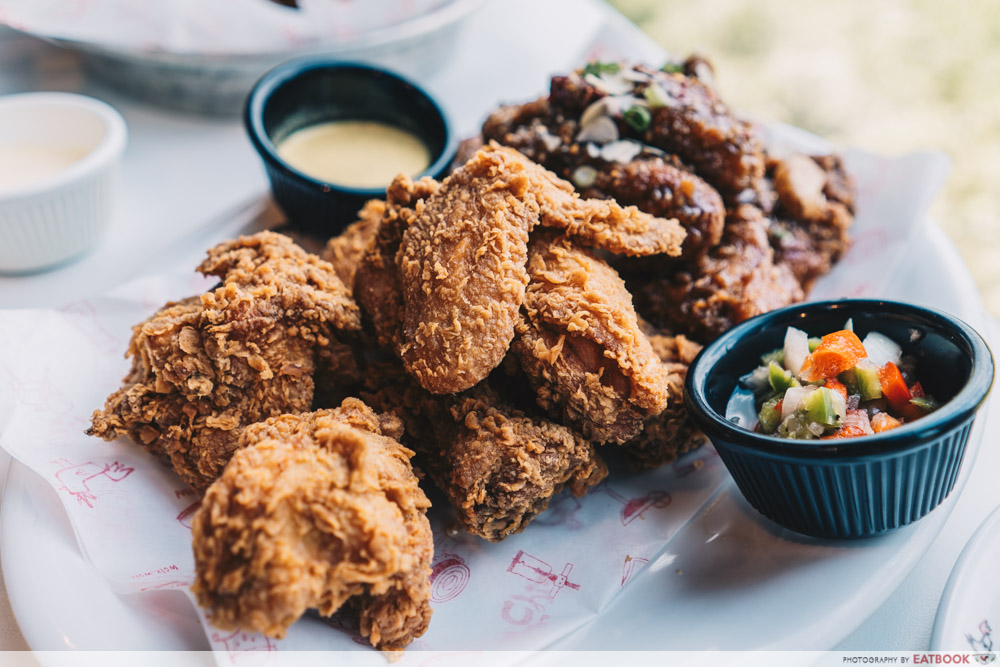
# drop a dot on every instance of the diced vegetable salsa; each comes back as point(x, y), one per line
point(837, 386)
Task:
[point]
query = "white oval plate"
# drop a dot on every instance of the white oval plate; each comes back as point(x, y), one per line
point(968, 618)
point(728, 579)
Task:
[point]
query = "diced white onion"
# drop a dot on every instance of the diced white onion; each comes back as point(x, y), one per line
point(849, 324)
point(793, 399)
point(610, 83)
point(881, 349)
point(595, 111)
point(796, 349)
point(815, 428)
point(630, 74)
point(859, 418)
point(757, 379)
point(551, 141)
point(601, 130)
point(622, 151)
point(584, 176)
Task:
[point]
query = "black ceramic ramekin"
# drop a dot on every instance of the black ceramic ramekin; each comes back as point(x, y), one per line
point(854, 487)
point(309, 91)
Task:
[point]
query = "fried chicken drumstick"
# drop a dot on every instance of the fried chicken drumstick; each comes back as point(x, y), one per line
point(313, 510)
point(204, 368)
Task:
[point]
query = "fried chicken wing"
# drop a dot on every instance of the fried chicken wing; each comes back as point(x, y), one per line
point(462, 260)
point(315, 509)
point(206, 367)
point(731, 283)
point(376, 282)
point(498, 466)
point(346, 250)
point(671, 433)
point(813, 216)
point(581, 345)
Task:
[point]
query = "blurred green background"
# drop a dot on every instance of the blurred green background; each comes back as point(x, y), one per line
point(887, 76)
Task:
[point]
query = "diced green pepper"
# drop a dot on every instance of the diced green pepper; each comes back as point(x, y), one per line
point(814, 343)
point(819, 407)
point(868, 382)
point(769, 415)
point(925, 403)
point(779, 378)
point(850, 380)
point(796, 427)
point(777, 356)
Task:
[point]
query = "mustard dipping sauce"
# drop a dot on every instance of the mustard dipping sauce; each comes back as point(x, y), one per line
point(354, 153)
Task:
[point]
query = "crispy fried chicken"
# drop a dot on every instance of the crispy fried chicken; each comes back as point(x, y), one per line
point(315, 509)
point(206, 367)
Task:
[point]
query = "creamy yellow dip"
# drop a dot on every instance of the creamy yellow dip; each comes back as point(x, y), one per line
point(24, 165)
point(354, 153)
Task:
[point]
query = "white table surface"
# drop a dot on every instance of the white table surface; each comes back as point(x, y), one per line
point(182, 173)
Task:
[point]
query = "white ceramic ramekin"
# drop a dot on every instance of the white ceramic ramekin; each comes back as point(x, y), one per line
point(53, 220)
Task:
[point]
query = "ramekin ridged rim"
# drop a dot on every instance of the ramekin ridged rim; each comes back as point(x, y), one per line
point(926, 430)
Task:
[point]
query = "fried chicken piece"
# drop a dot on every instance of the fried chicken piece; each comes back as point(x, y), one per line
point(731, 283)
point(663, 189)
point(315, 509)
point(692, 122)
point(813, 216)
point(581, 346)
point(671, 433)
point(498, 466)
point(346, 250)
point(376, 281)
point(462, 257)
point(661, 186)
point(206, 367)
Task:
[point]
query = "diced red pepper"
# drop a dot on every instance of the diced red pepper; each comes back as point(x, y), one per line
point(894, 386)
point(855, 425)
point(911, 412)
point(883, 421)
point(837, 352)
point(836, 385)
point(777, 406)
point(849, 431)
point(917, 390)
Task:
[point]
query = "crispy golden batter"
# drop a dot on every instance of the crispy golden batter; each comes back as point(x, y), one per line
point(462, 259)
point(346, 250)
point(671, 433)
point(376, 281)
point(206, 367)
point(581, 345)
point(498, 466)
point(313, 510)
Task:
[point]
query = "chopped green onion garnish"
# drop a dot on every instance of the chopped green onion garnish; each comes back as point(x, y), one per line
point(673, 68)
point(638, 118)
point(814, 343)
point(656, 96)
point(599, 68)
point(925, 403)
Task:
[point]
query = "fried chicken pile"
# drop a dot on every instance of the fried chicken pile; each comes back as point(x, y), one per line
point(483, 325)
point(760, 228)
